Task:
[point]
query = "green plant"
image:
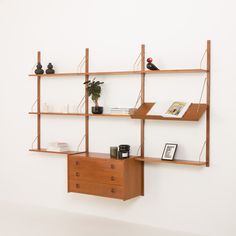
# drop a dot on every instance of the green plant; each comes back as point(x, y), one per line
point(94, 90)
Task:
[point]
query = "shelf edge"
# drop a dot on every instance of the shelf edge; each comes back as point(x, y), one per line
point(174, 162)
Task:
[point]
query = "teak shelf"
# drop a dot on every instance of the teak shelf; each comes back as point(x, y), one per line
point(128, 181)
point(78, 114)
point(45, 150)
point(194, 113)
point(178, 162)
point(123, 72)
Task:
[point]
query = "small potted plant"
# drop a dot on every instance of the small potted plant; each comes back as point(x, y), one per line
point(94, 90)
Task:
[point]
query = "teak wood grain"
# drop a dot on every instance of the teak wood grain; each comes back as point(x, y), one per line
point(98, 163)
point(95, 188)
point(69, 74)
point(45, 150)
point(98, 174)
point(142, 121)
point(208, 102)
point(86, 100)
point(38, 104)
point(78, 114)
point(177, 162)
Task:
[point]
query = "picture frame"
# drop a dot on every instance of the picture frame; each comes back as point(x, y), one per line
point(169, 151)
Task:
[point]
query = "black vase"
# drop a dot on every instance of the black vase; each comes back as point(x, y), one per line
point(97, 110)
point(50, 69)
point(39, 70)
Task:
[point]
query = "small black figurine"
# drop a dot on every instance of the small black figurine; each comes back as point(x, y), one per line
point(50, 69)
point(39, 69)
point(150, 65)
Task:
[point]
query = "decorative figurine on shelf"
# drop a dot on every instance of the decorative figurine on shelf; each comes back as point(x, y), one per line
point(94, 90)
point(39, 70)
point(50, 69)
point(150, 65)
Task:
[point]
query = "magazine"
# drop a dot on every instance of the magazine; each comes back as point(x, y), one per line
point(170, 109)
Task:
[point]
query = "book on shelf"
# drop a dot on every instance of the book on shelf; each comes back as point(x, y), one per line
point(58, 147)
point(119, 110)
point(171, 109)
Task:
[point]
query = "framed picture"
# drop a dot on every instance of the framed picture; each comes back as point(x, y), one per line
point(169, 151)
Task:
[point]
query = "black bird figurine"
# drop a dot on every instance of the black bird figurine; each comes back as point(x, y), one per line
point(39, 69)
point(150, 65)
point(50, 69)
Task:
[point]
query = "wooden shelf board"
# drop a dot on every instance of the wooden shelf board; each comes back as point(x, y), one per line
point(77, 114)
point(194, 113)
point(175, 71)
point(114, 115)
point(177, 162)
point(98, 155)
point(57, 113)
point(122, 72)
point(114, 72)
point(58, 75)
point(45, 150)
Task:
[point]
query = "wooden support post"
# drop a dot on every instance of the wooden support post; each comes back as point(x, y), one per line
point(39, 106)
point(142, 95)
point(86, 101)
point(142, 134)
point(208, 103)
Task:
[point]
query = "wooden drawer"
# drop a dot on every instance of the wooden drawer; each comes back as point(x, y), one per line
point(105, 190)
point(78, 163)
point(97, 176)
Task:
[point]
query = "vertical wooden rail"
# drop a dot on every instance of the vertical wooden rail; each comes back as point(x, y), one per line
point(39, 105)
point(208, 103)
point(142, 101)
point(86, 101)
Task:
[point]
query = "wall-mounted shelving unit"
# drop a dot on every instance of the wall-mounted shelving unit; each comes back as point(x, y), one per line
point(194, 113)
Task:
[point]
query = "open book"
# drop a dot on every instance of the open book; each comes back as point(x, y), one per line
point(170, 109)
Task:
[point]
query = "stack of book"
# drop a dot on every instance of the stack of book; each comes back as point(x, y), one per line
point(119, 110)
point(58, 147)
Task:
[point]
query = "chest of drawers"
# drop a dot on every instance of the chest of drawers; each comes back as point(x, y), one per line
point(98, 174)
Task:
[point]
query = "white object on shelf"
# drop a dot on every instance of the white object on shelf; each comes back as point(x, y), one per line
point(173, 109)
point(119, 110)
point(58, 147)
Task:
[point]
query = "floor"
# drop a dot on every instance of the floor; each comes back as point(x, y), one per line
point(16, 220)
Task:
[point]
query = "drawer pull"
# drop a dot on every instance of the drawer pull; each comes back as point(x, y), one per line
point(77, 174)
point(112, 178)
point(112, 166)
point(77, 185)
point(113, 190)
point(77, 163)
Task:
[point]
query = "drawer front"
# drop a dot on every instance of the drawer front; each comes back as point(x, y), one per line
point(78, 163)
point(104, 190)
point(104, 177)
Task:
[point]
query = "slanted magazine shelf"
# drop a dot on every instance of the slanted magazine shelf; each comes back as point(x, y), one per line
point(194, 112)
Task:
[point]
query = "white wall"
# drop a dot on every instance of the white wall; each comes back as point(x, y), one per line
point(198, 200)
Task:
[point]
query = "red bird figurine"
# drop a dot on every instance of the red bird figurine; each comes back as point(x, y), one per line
point(150, 65)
